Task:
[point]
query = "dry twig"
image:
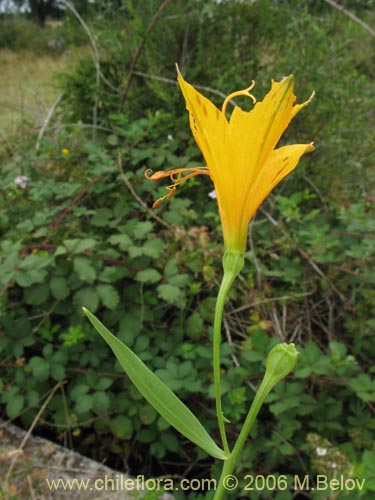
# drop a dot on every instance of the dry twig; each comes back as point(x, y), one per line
point(139, 50)
point(47, 120)
point(352, 16)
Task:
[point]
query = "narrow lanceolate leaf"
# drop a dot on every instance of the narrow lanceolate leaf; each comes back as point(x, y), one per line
point(158, 394)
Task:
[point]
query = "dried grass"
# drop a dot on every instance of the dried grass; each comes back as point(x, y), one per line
point(29, 86)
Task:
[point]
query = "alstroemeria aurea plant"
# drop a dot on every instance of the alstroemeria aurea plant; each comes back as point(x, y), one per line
point(244, 164)
point(240, 152)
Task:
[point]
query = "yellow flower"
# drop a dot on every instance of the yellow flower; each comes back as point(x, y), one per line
point(65, 151)
point(240, 153)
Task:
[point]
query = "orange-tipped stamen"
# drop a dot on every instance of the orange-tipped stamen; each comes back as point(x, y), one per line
point(157, 176)
point(176, 177)
point(245, 92)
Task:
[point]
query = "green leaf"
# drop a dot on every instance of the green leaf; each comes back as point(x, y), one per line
point(148, 276)
point(38, 275)
point(171, 268)
point(103, 383)
point(171, 294)
point(141, 229)
point(101, 401)
point(33, 399)
point(135, 252)
point(84, 269)
point(57, 371)
point(194, 326)
point(79, 246)
point(108, 295)
point(147, 415)
point(122, 240)
point(157, 393)
point(101, 218)
point(15, 406)
point(40, 368)
point(78, 391)
point(170, 442)
point(122, 427)
point(36, 294)
point(111, 274)
point(34, 261)
point(23, 279)
point(84, 404)
point(364, 387)
point(153, 248)
point(86, 296)
point(59, 287)
point(112, 140)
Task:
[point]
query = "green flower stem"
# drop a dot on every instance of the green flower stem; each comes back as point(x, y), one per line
point(280, 362)
point(231, 461)
point(223, 292)
point(232, 264)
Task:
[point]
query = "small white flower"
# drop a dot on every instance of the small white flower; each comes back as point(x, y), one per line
point(21, 181)
point(321, 451)
point(212, 194)
point(170, 137)
point(333, 465)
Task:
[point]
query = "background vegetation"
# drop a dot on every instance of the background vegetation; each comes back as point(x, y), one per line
point(78, 229)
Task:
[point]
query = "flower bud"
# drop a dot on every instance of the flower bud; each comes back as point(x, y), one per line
point(281, 361)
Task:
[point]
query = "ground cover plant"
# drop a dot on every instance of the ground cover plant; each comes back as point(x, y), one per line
point(78, 229)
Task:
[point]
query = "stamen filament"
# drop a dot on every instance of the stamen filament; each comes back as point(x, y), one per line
point(157, 176)
point(176, 177)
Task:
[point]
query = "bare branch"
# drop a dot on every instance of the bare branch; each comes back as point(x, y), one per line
point(47, 120)
point(95, 54)
point(352, 16)
point(140, 48)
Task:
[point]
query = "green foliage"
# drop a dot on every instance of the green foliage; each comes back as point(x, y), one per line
point(82, 233)
point(18, 33)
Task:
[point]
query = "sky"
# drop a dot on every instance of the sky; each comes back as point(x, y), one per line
point(9, 6)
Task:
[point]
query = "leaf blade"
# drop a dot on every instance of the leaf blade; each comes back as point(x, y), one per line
point(165, 402)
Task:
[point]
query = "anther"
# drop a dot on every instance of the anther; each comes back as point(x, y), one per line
point(171, 193)
point(158, 202)
point(156, 176)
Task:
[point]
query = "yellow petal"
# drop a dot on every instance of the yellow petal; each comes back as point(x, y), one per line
point(240, 153)
point(280, 163)
point(258, 131)
point(297, 108)
point(208, 125)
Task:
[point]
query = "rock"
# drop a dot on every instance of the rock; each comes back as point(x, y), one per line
point(43, 470)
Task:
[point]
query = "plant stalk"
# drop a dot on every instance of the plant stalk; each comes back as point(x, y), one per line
point(229, 464)
point(232, 265)
point(220, 301)
point(281, 361)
